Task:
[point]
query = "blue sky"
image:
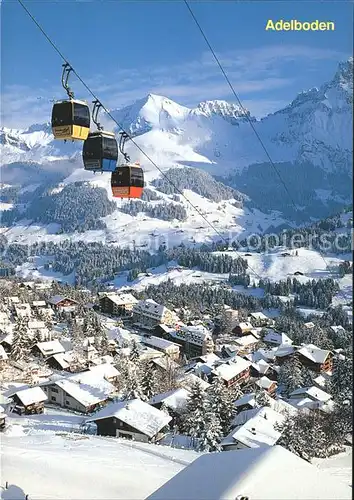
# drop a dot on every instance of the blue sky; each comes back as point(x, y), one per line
point(126, 49)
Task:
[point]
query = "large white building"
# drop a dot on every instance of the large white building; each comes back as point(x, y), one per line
point(149, 314)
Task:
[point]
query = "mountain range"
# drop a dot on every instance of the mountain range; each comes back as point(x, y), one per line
point(225, 170)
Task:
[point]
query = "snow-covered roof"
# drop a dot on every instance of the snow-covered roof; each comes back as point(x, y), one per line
point(87, 387)
point(247, 399)
point(56, 299)
point(3, 354)
point(31, 395)
point(195, 334)
point(284, 350)
point(64, 359)
point(261, 366)
point(246, 340)
point(309, 324)
point(159, 343)
point(257, 430)
point(149, 306)
point(121, 299)
point(172, 399)
point(39, 303)
point(259, 315)
point(105, 370)
point(248, 473)
point(277, 338)
point(187, 381)
point(165, 362)
point(245, 325)
point(36, 325)
point(264, 383)
point(231, 369)
point(50, 347)
point(314, 353)
point(209, 359)
point(338, 329)
point(313, 393)
point(136, 413)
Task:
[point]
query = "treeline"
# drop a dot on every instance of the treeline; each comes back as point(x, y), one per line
point(202, 298)
point(202, 183)
point(313, 293)
point(205, 261)
point(162, 211)
point(77, 207)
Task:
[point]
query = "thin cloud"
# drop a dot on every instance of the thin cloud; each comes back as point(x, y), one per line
point(251, 71)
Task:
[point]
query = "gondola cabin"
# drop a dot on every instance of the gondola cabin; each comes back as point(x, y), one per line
point(71, 120)
point(127, 181)
point(100, 152)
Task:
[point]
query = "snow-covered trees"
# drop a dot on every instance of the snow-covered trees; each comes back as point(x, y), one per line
point(341, 382)
point(314, 434)
point(134, 352)
point(220, 402)
point(212, 434)
point(148, 380)
point(291, 375)
point(261, 397)
point(21, 341)
point(194, 422)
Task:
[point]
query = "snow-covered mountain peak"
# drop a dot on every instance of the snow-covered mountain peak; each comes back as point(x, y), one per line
point(221, 108)
point(151, 112)
point(343, 78)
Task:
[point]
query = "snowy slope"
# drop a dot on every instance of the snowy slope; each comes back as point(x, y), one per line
point(59, 467)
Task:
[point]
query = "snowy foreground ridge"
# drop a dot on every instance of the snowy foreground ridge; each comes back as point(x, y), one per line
point(46, 466)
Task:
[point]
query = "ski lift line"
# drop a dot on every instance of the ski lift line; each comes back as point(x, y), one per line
point(125, 135)
point(244, 110)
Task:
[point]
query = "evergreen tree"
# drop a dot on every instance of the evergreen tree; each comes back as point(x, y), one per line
point(21, 341)
point(262, 398)
point(148, 380)
point(290, 375)
point(134, 352)
point(221, 404)
point(304, 435)
point(211, 434)
point(195, 415)
point(133, 389)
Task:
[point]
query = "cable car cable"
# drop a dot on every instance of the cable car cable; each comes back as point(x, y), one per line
point(246, 114)
point(225, 240)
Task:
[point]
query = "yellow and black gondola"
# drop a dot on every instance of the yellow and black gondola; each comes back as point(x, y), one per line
point(71, 117)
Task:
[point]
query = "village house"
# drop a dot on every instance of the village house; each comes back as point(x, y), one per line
point(46, 349)
point(63, 304)
point(66, 361)
point(134, 419)
point(268, 385)
point(148, 314)
point(169, 348)
point(260, 320)
point(246, 344)
point(174, 400)
point(83, 392)
point(38, 327)
point(117, 304)
point(316, 359)
point(235, 371)
point(28, 401)
point(311, 397)
point(242, 328)
point(196, 340)
point(262, 367)
point(284, 353)
point(275, 338)
point(253, 428)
